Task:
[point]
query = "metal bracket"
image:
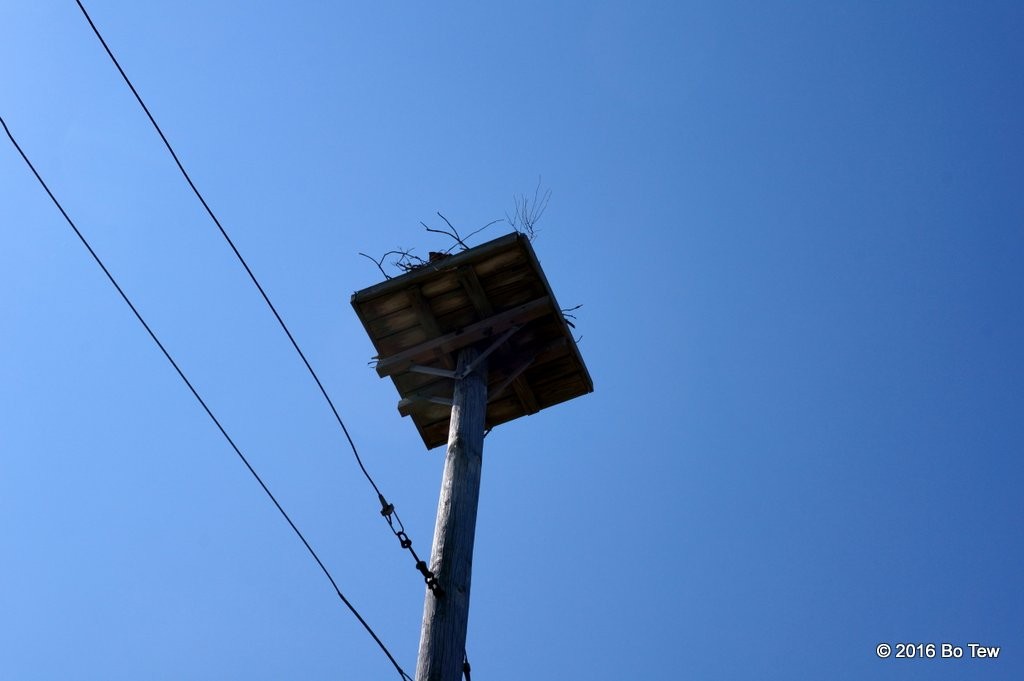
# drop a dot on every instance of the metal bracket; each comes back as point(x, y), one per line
point(468, 369)
point(406, 405)
point(433, 371)
point(523, 366)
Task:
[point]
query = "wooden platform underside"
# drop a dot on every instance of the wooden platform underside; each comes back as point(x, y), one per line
point(422, 318)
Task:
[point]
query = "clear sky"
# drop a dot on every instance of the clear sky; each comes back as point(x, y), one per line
point(796, 230)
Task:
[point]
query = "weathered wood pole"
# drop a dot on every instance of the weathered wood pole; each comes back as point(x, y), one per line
point(445, 618)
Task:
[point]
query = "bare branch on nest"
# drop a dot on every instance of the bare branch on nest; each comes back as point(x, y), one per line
point(475, 232)
point(567, 315)
point(406, 262)
point(454, 233)
point(379, 263)
point(527, 212)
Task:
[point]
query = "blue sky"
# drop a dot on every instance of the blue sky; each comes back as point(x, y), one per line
point(796, 232)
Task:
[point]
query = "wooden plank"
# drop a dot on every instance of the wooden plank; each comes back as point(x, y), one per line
point(379, 307)
point(440, 387)
point(432, 371)
point(471, 284)
point(475, 291)
point(392, 344)
point(566, 391)
point(441, 283)
point(483, 253)
point(565, 330)
point(458, 319)
point(410, 382)
point(425, 351)
point(509, 278)
point(449, 301)
point(428, 321)
point(435, 434)
point(521, 387)
point(525, 395)
point(499, 261)
point(542, 376)
point(408, 406)
point(422, 311)
point(553, 385)
point(393, 322)
point(504, 410)
point(510, 297)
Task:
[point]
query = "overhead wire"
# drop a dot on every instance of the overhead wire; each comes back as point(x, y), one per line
point(231, 243)
point(203, 404)
point(387, 509)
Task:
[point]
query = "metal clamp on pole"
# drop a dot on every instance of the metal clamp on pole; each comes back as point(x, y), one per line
point(468, 369)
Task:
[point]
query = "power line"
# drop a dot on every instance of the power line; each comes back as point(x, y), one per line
point(202, 403)
point(387, 509)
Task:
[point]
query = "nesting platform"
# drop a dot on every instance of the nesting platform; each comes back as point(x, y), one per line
point(493, 296)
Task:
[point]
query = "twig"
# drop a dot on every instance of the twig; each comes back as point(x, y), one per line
point(406, 262)
point(454, 231)
point(567, 316)
point(527, 213)
point(453, 234)
point(492, 222)
point(379, 263)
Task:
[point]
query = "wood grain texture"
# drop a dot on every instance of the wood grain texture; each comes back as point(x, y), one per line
point(425, 316)
point(446, 618)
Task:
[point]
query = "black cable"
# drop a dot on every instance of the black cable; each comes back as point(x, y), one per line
point(388, 510)
point(238, 255)
point(202, 403)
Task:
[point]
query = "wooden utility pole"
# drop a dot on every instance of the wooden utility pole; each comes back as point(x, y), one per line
point(446, 613)
point(471, 340)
